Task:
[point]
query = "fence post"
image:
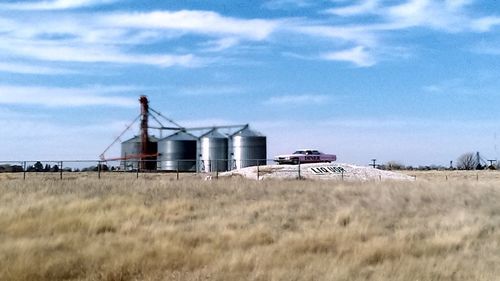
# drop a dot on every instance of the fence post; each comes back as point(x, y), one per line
point(99, 169)
point(342, 174)
point(477, 176)
point(137, 171)
point(216, 169)
point(61, 171)
point(300, 177)
point(258, 171)
point(24, 170)
point(177, 172)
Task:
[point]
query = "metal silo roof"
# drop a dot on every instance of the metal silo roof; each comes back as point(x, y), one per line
point(214, 134)
point(247, 132)
point(180, 136)
point(138, 139)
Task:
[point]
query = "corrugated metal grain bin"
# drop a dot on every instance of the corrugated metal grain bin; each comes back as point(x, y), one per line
point(249, 148)
point(177, 152)
point(214, 151)
point(132, 148)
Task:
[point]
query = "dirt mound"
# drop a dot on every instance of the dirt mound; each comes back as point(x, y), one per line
point(320, 171)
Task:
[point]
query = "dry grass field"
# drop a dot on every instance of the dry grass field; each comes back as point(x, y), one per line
point(156, 228)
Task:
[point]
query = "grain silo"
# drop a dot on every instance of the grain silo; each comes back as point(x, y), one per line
point(249, 148)
point(177, 152)
point(214, 151)
point(131, 151)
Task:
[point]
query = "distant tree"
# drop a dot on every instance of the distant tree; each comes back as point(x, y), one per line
point(424, 168)
point(103, 167)
point(394, 165)
point(468, 161)
point(437, 167)
point(54, 168)
point(38, 167)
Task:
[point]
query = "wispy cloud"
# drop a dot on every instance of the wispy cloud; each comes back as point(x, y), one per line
point(192, 21)
point(22, 68)
point(112, 37)
point(221, 44)
point(210, 90)
point(115, 37)
point(357, 55)
point(448, 15)
point(71, 52)
point(426, 13)
point(485, 24)
point(364, 7)
point(480, 84)
point(338, 34)
point(65, 97)
point(54, 5)
point(295, 100)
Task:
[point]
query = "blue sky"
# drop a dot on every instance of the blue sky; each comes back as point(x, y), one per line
point(409, 80)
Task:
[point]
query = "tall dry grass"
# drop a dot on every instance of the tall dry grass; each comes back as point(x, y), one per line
point(85, 229)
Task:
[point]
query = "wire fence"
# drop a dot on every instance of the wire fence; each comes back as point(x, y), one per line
point(198, 168)
point(177, 169)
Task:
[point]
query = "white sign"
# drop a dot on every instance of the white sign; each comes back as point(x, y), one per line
point(326, 170)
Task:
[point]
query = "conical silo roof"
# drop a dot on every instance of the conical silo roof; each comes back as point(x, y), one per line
point(138, 139)
point(247, 132)
point(179, 136)
point(214, 134)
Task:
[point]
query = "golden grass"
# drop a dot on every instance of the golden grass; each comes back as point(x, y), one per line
point(160, 229)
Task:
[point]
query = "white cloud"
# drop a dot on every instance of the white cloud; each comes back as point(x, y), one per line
point(357, 55)
point(54, 5)
point(356, 34)
point(296, 100)
point(65, 97)
point(22, 68)
point(421, 13)
point(448, 15)
point(200, 22)
point(458, 4)
point(110, 37)
point(70, 52)
point(463, 87)
point(114, 37)
point(221, 44)
point(210, 90)
point(485, 24)
point(364, 7)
